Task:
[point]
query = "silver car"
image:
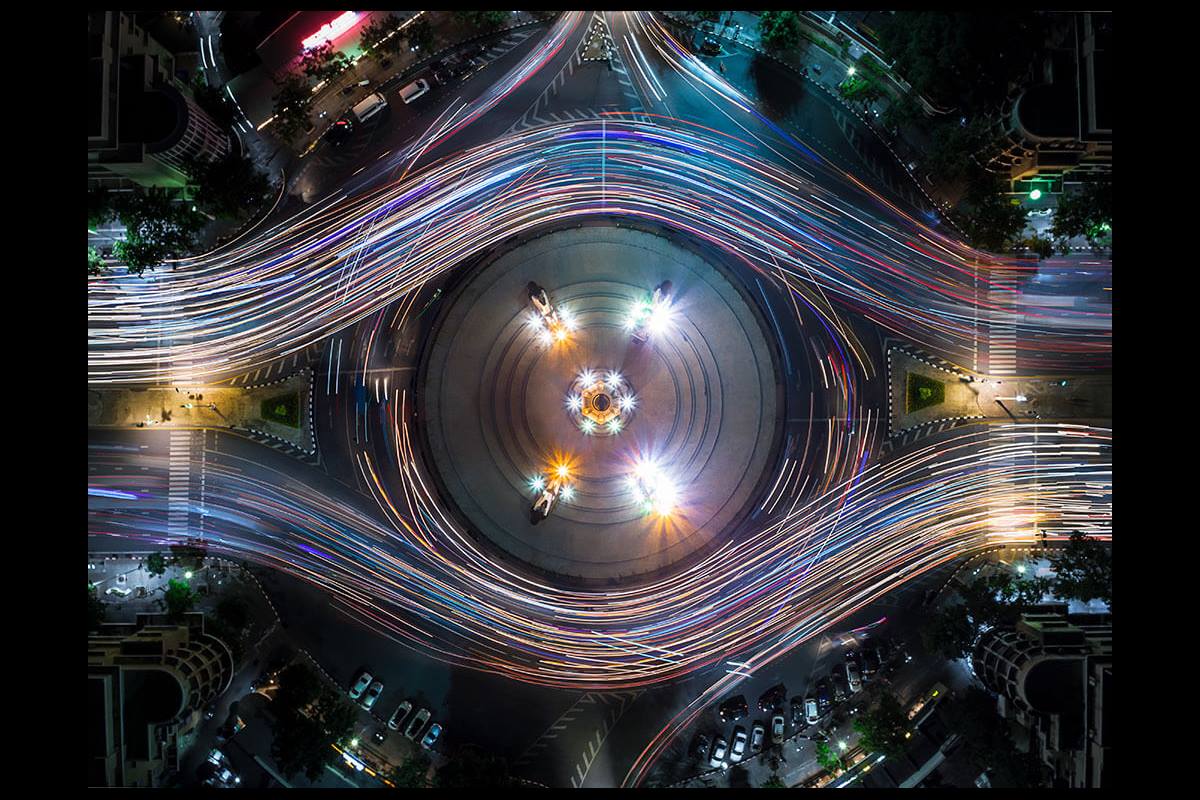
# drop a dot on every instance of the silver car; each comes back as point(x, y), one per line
point(739, 744)
point(372, 695)
point(418, 722)
point(718, 753)
point(360, 685)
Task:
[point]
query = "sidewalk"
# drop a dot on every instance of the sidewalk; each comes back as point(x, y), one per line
point(208, 407)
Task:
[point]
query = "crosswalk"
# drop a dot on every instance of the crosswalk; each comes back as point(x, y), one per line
point(179, 483)
point(1002, 333)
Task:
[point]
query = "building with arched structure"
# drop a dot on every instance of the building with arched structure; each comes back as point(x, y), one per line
point(148, 683)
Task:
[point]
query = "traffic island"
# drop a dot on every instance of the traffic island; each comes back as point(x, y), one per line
point(280, 411)
point(694, 404)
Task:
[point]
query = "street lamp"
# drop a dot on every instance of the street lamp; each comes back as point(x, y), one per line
point(850, 71)
point(1036, 194)
point(188, 574)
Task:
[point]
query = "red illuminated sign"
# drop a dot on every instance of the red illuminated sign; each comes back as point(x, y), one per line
point(331, 30)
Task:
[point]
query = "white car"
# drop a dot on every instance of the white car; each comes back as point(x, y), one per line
point(119, 591)
point(372, 695)
point(418, 722)
point(558, 486)
point(360, 685)
point(757, 734)
point(777, 728)
point(739, 744)
point(399, 715)
point(811, 715)
point(853, 677)
point(718, 753)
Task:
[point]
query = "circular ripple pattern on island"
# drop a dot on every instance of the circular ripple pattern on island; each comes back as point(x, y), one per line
point(494, 403)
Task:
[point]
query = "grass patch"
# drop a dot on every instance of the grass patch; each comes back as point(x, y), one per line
point(923, 392)
point(284, 409)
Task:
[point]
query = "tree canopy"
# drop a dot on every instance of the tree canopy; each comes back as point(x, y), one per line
point(989, 219)
point(881, 728)
point(779, 30)
point(486, 20)
point(1087, 212)
point(156, 564)
point(419, 34)
point(157, 227)
point(963, 58)
point(292, 103)
point(1083, 570)
point(179, 598)
point(323, 62)
point(984, 735)
point(230, 187)
point(372, 40)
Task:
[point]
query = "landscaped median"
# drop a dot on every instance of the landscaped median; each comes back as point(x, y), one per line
point(280, 410)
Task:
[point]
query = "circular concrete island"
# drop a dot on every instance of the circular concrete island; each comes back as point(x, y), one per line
point(599, 403)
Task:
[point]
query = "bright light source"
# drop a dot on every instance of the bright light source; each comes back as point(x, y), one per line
point(1021, 398)
point(842, 746)
point(613, 379)
point(538, 483)
point(1036, 194)
point(575, 402)
point(188, 574)
point(588, 426)
point(563, 471)
point(614, 424)
point(851, 71)
point(568, 492)
point(560, 334)
point(587, 377)
point(354, 742)
point(626, 402)
point(1021, 569)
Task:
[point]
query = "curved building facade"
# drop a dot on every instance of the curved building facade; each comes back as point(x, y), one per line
point(147, 684)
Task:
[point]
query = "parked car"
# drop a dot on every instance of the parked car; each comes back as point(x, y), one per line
point(739, 744)
point(811, 714)
point(119, 591)
point(853, 676)
point(380, 735)
point(398, 716)
point(720, 747)
point(734, 709)
point(701, 746)
point(757, 734)
point(777, 728)
point(360, 685)
point(772, 699)
point(710, 47)
point(797, 710)
point(339, 132)
point(418, 722)
point(431, 736)
point(870, 661)
point(824, 700)
point(841, 689)
point(372, 695)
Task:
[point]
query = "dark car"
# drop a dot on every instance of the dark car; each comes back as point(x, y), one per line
point(339, 132)
point(797, 710)
point(700, 746)
point(870, 660)
point(841, 689)
point(772, 699)
point(824, 696)
point(710, 47)
point(734, 709)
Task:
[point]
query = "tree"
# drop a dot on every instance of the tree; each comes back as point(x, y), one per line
point(234, 611)
point(858, 89)
point(779, 30)
point(292, 104)
point(214, 102)
point(985, 740)
point(708, 16)
point(299, 686)
point(336, 715)
point(1001, 599)
point(100, 207)
point(773, 782)
point(95, 262)
point(323, 62)
point(300, 743)
point(420, 35)
point(156, 565)
point(485, 20)
point(881, 729)
point(991, 222)
point(97, 609)
point(230, 187)
point(179, 599)
point(1083, 570)
point(188, 556)
point(157, 227)
point(965, 58)
point(949, 632)
point(901, 111)
point(413, 773)
point(1041, 245)
point(471, 769)
point(956, 146)
point(1087, 212)
point(372, 41)
point(828, 759)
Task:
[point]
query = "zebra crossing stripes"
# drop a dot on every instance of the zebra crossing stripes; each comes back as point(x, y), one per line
point(1002, 333)
point(179, 483)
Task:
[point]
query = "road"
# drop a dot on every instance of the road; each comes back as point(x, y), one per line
point(362, 591)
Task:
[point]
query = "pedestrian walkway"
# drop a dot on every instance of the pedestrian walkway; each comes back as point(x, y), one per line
point(179, 484)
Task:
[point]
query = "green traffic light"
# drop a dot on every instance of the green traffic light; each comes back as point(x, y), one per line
point(1035, 194)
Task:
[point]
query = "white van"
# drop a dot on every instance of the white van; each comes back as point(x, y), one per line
point(369, 107)
point(414, 90)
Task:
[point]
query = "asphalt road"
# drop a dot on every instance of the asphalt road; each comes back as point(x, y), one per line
point(551, 736)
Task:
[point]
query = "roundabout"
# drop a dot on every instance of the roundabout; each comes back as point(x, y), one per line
point(653, 430)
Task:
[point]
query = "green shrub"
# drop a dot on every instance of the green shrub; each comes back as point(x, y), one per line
point(284, 409)
point(923, 392)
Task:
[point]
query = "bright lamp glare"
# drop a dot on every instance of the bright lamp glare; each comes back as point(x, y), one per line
point(563, 471)
point(538, 483)
point(568, 492)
